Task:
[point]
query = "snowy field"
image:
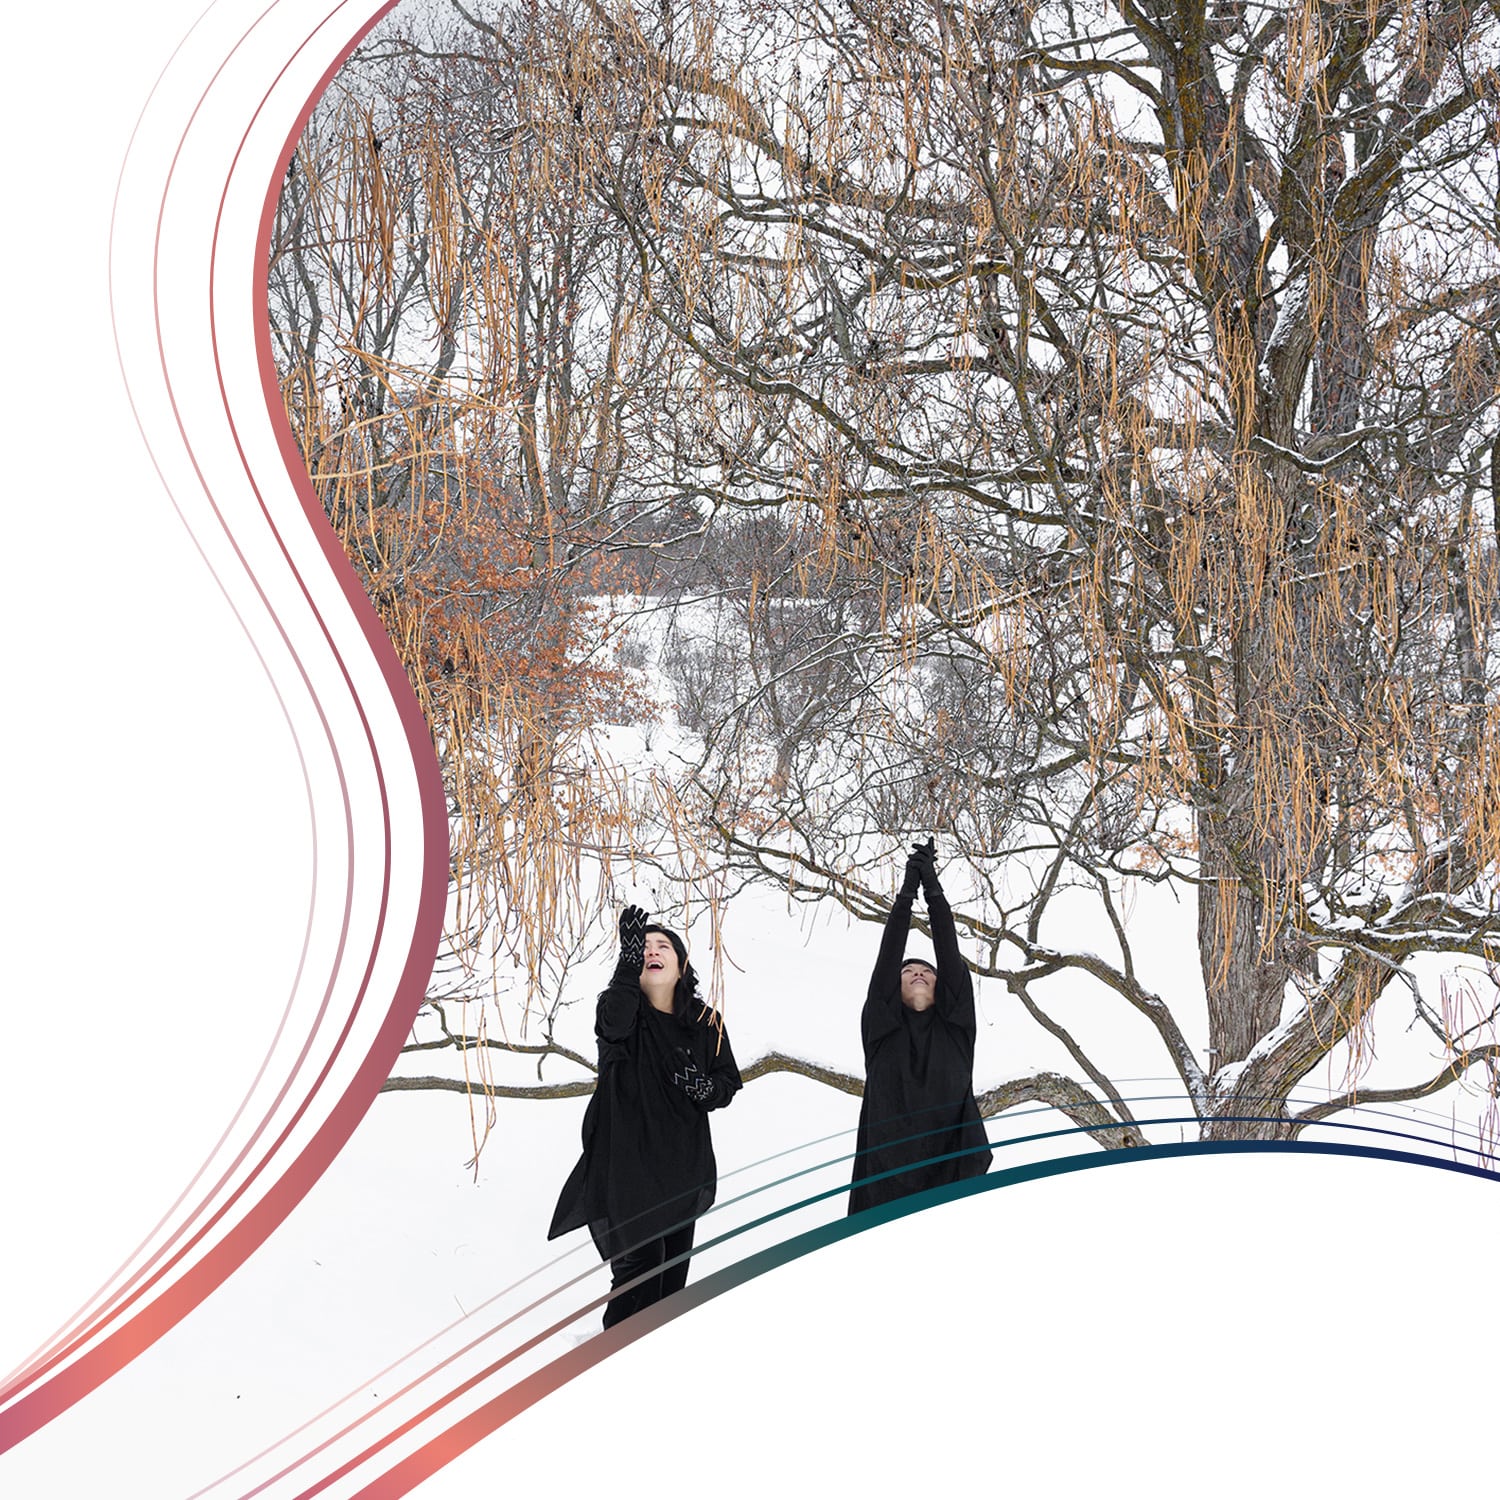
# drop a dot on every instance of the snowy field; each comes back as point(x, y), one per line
point(1124, 1330)
point(1194, 1326)
point(1113, 1324)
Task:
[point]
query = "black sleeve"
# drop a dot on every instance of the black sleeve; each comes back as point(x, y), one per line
point(882, 1012)
point(619, 1005)
point(723, 1069)
point(955, 987)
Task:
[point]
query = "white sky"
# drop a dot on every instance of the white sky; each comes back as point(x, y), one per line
point(1135, 1328)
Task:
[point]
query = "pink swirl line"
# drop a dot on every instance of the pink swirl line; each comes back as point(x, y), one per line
point(52, 1351)
point(36, 1403)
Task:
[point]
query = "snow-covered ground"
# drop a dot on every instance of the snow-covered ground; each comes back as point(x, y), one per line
point(1131, 1330)
point(1154, 1305)
point(1171, 1327)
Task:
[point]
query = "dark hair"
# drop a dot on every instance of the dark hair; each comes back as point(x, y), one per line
point(921, 961)
point(685, 997)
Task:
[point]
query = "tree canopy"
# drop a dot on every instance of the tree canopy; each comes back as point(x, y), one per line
point(1066, 429)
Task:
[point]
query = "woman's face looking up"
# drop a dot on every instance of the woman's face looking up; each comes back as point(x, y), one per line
point(660, 967)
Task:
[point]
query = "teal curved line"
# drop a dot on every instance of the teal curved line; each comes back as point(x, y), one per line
point(426, 1460)
point(1058, 1163)
point(644, 1321)
point(604, 1342)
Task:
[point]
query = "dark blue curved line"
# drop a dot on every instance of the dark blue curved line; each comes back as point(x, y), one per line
point(1073, 1130)
point(994, 1144)
point(1023, 1111)
point(1451, 1129)
point(1008, 1176)
point(1037, 1169)
point(432, 1455)
point(1279, 1117)
point(605, 1341)
point(912, 1202)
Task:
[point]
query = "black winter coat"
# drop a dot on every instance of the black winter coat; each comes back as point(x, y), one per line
point(648, 1160)
point(919, 1071)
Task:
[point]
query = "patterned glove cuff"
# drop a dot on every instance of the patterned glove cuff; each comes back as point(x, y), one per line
point(690, 1078)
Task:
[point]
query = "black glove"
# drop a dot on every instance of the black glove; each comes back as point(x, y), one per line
point(921, 869)
point(924, 857)
point(689, 1077)
point(633, 938)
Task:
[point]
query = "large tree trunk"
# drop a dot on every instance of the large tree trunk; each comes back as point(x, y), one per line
point(1246, 959)
point(1244, 963)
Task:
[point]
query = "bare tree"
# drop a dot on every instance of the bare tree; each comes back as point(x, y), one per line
point(1122, 382)
point(455, 326)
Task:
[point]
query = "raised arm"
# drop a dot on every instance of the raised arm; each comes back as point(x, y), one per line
point(882, 1012)
point(887, 971)
point(620, 1000)
point(955, 987)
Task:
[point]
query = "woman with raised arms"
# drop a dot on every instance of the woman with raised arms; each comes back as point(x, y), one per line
point(919, 1124)
point(647, 1170)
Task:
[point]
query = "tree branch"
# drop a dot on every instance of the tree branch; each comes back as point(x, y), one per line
point(1451, 1072)
point(1282, 1058)
point(1053, 1089)
point(1068, 1098)
point(488, 1090)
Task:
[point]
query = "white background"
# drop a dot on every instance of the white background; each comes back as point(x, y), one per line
point(1170, 1328)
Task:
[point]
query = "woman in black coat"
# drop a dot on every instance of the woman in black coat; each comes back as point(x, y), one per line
point(647, 1170)
point(918, 1121)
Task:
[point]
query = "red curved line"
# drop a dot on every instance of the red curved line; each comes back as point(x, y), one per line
point(443, 1363)
point(564, 1367)
point(72, 1334)
point(121, 1301)
point(28, 1367)
point(407, 1472)
point(334, 1131)
point(380, 1376)
point(415, 1381)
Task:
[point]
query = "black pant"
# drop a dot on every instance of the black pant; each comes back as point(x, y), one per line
point(653, 1254)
